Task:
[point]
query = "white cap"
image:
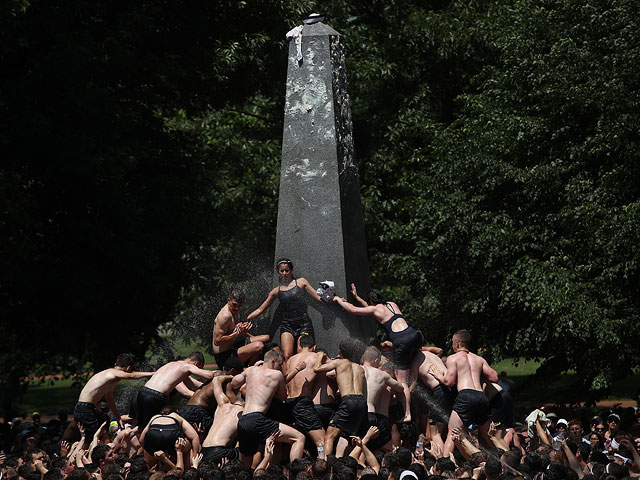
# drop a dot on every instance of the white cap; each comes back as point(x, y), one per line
point(563, 421)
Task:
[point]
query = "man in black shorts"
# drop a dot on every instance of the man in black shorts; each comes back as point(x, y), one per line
point(231, 336)
point(351, 416)
point(254, 427)
point(467, 372)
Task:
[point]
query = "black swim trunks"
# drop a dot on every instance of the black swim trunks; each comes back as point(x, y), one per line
point(149, 402)
point(222, 357)
point(85, 413)
point(305, 416)
point(437, 403)
point(384, 428)
point(351, 416)
point(253, 429)
point(218, 453)
point(502, 409)
point(196, 415)
point(325, 412)
point(472, 406)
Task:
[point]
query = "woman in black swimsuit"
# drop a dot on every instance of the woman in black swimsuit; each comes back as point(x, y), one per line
point(290, 292)
point(406, 341)
point(161, 434)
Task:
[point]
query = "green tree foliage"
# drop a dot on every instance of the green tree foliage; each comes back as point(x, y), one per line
point(509, 203)
point(497, 144)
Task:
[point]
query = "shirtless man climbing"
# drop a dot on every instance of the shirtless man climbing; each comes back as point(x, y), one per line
point(300, 390)
point(351, 416)
point(427, 386)
point(230, 335)
point(202, 405)
point(151, 398)
point(325, 394)
point(221, 437)
point(467, 372)
point(263, 384)
point(102, 385)
point(379, 386)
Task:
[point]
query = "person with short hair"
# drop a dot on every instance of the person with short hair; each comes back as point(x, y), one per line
point(379, 385)
point(231, 337)
point(152, 397)
point(290, 293)
point(101, 385)
point(467, 372)
point(300, 390)
point(263, 383)
point(351, 416)
point(221, 437)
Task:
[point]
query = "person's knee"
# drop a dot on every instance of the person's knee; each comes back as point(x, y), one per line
point(257, 346)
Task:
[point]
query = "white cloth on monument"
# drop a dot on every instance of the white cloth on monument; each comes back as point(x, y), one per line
point(531, 422)
point(296, 34)
point(326, 291)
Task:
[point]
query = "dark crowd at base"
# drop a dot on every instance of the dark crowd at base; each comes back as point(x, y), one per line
point(540, 445)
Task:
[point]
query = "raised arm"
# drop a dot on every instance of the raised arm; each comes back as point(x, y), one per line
point(273, 294)
point(368, 310)
point(238, 381)
point(360, 300)
point(218, 392)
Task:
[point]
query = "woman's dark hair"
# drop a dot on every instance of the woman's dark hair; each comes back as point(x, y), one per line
point(375, 297)
point(284, 261)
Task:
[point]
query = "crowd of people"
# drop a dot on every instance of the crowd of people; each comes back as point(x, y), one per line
point(385, 409)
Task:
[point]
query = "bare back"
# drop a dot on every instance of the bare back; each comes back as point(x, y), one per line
point(426, 361)
point(350, 378)
point(169, 376)
point(98, 386)
point(384, 312)
point(468, 368)
point(263, 384)
point(324, 390)
point(204, 396)
point(302, 383)
point(378, 392)
point(225, 426)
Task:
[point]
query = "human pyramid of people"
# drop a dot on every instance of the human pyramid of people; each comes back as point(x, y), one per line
point(386, 409)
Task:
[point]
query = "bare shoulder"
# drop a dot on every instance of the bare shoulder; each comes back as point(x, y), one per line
point(224, 315)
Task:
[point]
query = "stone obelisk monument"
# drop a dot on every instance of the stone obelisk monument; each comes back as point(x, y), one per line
point(320, 220)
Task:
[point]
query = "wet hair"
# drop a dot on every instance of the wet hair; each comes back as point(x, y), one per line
point(352, 349)
point(375, 297)
point(404, 457)
point(464, 337)
point(236, 294)
point(233, 363)
point(299, 465)
point(445, 463)
point(124, 360)
point(307, 341)
point(419, 470)
point(284, 261)
point(99, 453)
point(371, 354)
point(273, 355)
point(196, 357)
point(511, 458)
point(319, 468)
